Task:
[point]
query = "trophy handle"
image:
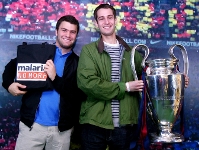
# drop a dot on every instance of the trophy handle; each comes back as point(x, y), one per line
point(149, 106)
point(184, 54)
point(143, 61)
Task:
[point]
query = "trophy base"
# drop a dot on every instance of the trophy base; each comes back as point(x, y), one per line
point(167, 138)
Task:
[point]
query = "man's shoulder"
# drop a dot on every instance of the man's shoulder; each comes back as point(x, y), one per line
point(91, 44)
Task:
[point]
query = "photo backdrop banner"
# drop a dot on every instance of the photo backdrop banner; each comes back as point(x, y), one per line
point(156, 23)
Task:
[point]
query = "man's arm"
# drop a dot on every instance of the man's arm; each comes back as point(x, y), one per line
point(8, 77)
point(9, 73)
point(91, 82)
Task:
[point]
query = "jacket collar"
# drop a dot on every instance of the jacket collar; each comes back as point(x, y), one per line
point(120, 40)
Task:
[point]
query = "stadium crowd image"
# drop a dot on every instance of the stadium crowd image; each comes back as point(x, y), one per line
point(156, 19)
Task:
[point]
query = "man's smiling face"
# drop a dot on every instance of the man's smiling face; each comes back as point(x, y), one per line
point(106, 21)
point(66, 35)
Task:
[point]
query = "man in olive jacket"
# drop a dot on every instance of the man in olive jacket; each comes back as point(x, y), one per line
point(110, 113)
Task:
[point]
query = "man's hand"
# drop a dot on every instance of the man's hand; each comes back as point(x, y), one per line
point(50, 69)
point(186, 81)
point(137, 85)
point(14, 89)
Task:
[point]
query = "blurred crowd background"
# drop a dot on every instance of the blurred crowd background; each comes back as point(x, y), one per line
point(158, 19)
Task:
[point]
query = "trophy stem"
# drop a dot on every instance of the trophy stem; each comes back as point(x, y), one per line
point(166, 136)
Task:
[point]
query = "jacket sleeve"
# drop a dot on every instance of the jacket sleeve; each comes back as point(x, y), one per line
point(9, 73)
point(92, 79)
point(68, 82)
point(58, 83)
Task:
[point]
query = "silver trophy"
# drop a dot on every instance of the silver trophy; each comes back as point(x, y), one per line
point(166, 91)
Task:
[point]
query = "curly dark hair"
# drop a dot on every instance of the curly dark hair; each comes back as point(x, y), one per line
point(68, 18)
point(106, 6)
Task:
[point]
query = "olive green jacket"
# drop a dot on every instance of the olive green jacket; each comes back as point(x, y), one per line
point(94, 78)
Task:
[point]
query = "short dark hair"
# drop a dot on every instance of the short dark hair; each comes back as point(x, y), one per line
point(106, 6)
point(68, 18)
